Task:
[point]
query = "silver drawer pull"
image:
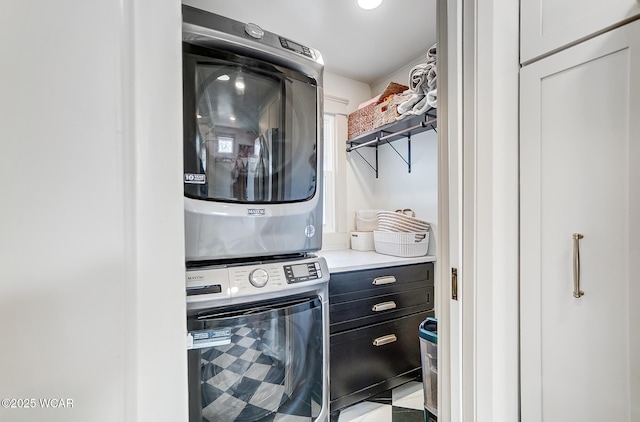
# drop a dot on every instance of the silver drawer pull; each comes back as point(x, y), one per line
point(383, 306)
point(390, 338)
point(388, 279)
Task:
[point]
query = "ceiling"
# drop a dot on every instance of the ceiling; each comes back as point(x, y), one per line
point(365, 45)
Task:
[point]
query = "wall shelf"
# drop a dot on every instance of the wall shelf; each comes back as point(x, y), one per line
point(392, 132)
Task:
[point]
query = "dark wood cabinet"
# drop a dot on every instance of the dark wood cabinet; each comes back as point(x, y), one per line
point(374, 322)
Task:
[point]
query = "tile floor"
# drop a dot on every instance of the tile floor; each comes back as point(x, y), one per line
point(402, 404)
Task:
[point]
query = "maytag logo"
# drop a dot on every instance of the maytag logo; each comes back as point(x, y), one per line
point(255, 211)
point(195, 277)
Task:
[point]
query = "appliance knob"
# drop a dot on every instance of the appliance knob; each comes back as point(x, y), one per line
point(259, 277)
point(254, 30)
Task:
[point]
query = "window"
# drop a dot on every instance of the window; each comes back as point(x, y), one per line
point(328, 211)
point(225, 145)
point(334, 230)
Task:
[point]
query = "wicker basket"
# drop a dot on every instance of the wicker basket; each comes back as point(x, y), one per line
point(401, 244)
point(392, 88)
point(362, 241)
point(362, 120)
point(387, 111)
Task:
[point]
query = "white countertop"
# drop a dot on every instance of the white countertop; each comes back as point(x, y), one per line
point(349, 260)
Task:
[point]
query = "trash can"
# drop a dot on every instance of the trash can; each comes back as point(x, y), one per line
point(429, 354)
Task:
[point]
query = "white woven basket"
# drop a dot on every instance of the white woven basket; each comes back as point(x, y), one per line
point(400, 221)
point(366, 220)
point(362, 241)
point(401, 244)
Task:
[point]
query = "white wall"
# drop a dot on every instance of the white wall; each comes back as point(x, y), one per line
point(355, 92)
point(91, 244)
point(400, 76)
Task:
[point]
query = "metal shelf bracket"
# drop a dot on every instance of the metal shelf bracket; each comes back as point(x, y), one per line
point(385, 137)
point(408, 160)
point(375, 168)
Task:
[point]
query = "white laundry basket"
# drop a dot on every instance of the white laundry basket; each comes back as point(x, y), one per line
point(366, 220)
point(362, 241)
point(401, 244)
point(401, 221)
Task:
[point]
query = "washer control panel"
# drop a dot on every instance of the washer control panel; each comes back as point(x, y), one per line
point(307, 271)
point(226, 284)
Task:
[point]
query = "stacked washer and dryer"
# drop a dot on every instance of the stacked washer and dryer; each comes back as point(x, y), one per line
point(257, 302)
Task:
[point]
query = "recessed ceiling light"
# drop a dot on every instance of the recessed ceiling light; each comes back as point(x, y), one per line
point(369, 4)
point(232, 118)
point(223, 77)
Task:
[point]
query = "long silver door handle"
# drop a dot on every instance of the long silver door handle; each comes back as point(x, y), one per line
point(390, 338)
point(388, 279)
point(577, 293)
point(383, 306)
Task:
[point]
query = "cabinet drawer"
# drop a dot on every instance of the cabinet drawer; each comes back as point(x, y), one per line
point(357, 363)
point(353, 285)
point(371, 310)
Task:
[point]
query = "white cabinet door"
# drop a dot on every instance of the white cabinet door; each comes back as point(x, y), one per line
point(547, 25)
point(580, 173)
